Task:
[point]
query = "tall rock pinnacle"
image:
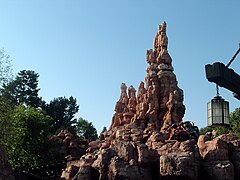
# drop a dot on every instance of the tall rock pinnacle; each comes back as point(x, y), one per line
point(158, 105)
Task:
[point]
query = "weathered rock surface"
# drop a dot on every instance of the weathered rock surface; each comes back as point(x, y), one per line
point(70, 147)
point(220, 156)
point(139, 143)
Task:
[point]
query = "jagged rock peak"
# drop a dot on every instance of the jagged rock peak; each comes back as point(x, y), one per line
point(162, 32)
point(160, 57)
point(161, 39)
point(159, 104)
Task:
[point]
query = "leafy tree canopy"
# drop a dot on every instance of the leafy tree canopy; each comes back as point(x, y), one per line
point(5, 68)
point(62, 110)
point(235, 122)
point(5, 121)
point(23, 89)
point(28, 139)
point(86, 129)
point(26, 122)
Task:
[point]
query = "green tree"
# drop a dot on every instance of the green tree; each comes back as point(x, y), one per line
point(5, 107)
point(23, 89)
point(235, 122)
point(86, 129)
point(62, 110)
point(5, 68)
point(218, 130)
point(5, 120)
point(29, 148)
point(204, 130)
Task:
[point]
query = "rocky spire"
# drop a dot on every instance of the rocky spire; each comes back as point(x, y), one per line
point(160, 103)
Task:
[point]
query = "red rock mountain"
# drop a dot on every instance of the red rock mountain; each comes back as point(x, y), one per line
point(138, 144)
point(159, 101)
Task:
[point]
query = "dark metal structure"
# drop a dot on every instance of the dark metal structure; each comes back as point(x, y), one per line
point(224, 76)
point(218, 108)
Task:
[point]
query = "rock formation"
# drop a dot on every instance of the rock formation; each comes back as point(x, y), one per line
point(70, 147)
point(139, 145)
point(160, 103)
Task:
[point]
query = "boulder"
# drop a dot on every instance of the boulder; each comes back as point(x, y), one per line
point(213, 150)
point(182, 165)
point(125, 150)
point(119, 169)
point(220, 170)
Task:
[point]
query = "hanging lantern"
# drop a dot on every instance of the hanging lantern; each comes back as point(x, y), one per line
point(218, 112)
point(218, 108)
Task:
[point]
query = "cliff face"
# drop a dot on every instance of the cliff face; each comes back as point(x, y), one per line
point(139, 143)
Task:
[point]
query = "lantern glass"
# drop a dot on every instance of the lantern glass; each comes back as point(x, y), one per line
point(218, 112)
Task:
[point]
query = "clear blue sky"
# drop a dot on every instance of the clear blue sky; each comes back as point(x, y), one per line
point(87, 48)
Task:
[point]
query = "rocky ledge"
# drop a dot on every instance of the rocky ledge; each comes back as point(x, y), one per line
point(218, 158)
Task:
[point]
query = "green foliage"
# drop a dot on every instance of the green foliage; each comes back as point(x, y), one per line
point(221, 130)
point(86, 129)
point(235, 122)
point(62, 110)
point(8, 93)
point(27, 122)
point(205, 130)
point(5, 67)
point(5, 120)
point(5, 107)
point(218, 130)
point(23, 89)
point(28, 139)
point(29, 147)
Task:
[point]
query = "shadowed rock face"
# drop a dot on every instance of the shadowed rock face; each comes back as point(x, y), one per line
point(137, 144)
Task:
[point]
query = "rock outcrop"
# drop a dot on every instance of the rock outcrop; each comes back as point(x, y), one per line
point(70, 147)
point(139, 143)
point(220, 157)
